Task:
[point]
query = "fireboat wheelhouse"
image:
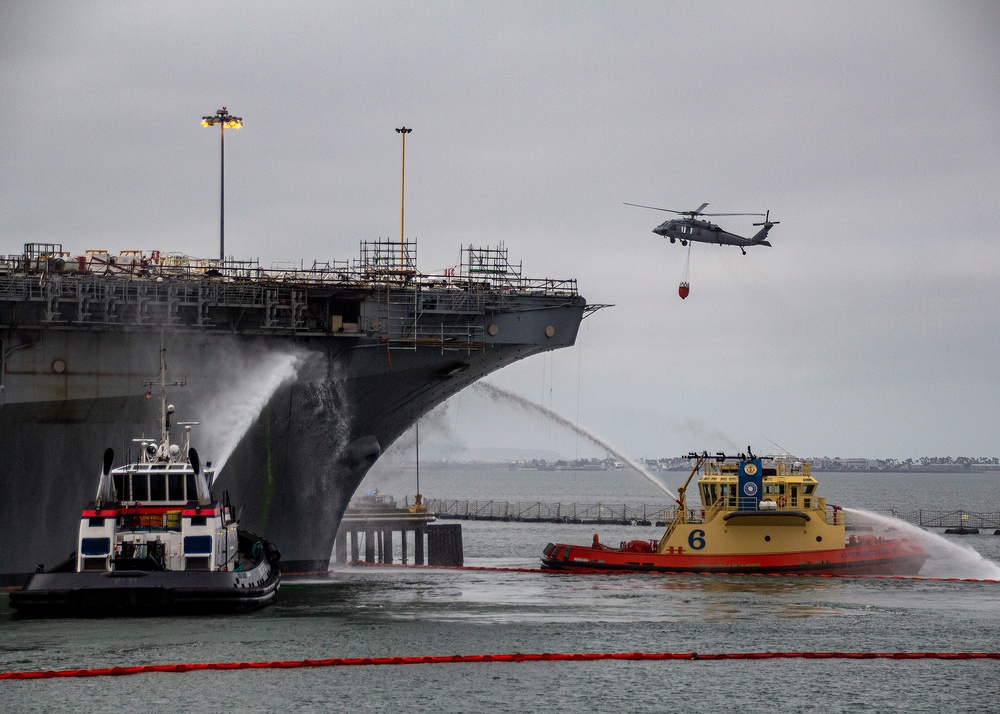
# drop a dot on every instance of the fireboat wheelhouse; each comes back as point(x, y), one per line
point(155, 540)
point(758, 515)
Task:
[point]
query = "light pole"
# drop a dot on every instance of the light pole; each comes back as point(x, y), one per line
point(402, 196)
point(225, 120)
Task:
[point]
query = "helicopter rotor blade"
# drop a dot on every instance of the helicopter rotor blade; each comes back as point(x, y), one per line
point(695, 212)
point(731, 214)
point(654, 208)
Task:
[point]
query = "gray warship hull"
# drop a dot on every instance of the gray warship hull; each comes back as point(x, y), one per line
point(373, 348)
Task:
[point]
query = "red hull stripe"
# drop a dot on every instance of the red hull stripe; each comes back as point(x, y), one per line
point(489, 658)
point(148, 510)
point(890, 557)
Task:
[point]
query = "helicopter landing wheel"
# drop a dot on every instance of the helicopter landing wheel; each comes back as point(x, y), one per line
point(684, 242)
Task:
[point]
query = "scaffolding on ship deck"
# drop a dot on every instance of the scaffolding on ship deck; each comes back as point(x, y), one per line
point(136, 289)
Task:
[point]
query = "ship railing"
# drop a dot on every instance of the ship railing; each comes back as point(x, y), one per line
point(416, 302)
point(9, 264)
point(497, 288)
point(92, 299)
point(482, 289)
point(437, 298)
point(711, 512)
point(12, 287)
point(447, 337)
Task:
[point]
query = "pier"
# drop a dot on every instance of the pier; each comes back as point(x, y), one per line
point(658, 513)
point(369, 526)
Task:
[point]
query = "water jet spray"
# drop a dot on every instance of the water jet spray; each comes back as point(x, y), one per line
point(497, 394)
point(947, 559)
point(231, 411)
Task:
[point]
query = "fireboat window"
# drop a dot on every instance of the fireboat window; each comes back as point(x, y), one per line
point(192, 489)
point(119, 482)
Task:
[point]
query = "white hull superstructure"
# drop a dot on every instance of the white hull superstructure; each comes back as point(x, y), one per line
point(155, 540)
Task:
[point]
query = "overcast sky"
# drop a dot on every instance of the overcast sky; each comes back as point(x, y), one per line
point(870, 130)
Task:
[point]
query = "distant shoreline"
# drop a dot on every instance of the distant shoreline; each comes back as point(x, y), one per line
point(549, 466)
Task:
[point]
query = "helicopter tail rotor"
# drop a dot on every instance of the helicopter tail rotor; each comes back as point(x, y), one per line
point(761, 237)
point(767, 220)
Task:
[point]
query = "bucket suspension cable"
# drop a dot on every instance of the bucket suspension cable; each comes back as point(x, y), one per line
point(685, 287)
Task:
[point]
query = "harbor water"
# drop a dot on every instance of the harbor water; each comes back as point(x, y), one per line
point(378, 611)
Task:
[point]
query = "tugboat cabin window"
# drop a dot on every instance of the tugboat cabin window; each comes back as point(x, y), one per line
point(197, 544)
point(175, 487)
point(158, 487)
point(95, 546)
point(140, 488)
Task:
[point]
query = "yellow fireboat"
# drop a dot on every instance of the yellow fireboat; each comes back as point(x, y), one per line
point(757, 515)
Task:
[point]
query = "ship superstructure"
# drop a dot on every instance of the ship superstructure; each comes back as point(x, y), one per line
point(381, 344)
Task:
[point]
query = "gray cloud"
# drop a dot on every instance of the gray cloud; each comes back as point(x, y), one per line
point(869, 130)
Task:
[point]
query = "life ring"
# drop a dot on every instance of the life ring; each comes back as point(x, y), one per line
point(782, 501)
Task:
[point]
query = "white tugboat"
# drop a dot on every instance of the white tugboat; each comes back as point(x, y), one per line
point(155, 541)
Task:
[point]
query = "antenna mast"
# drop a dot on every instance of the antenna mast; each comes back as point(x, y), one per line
point(162, 384)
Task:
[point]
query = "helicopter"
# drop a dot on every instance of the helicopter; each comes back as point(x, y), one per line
point(691, 228)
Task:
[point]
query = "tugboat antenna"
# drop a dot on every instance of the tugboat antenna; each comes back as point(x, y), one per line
point(165, 410)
